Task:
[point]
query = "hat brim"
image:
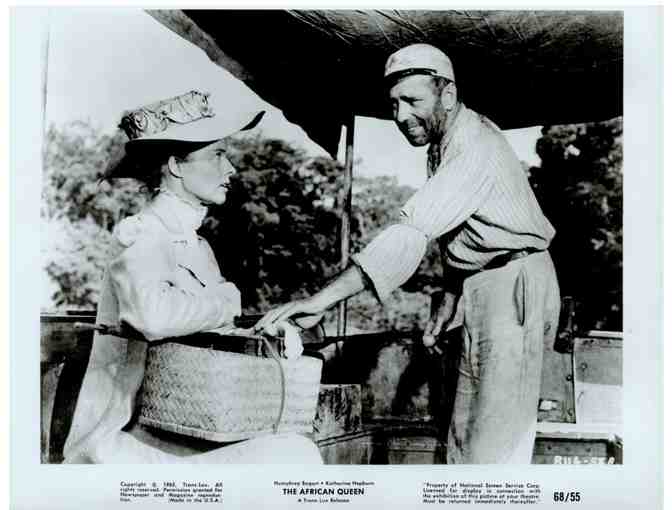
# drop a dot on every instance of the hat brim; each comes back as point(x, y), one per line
point(139, 157)
point(148, 152)
point(395, 77)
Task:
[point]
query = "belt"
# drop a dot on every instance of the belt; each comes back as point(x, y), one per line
point(496, 263)
point(505, 258)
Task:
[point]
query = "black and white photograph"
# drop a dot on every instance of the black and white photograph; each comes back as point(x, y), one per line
point(331, 245)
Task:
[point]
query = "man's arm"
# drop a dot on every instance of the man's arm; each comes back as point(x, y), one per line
point(349, 283)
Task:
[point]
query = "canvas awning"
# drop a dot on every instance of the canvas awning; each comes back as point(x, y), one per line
point(321, 68)
point(520, 68)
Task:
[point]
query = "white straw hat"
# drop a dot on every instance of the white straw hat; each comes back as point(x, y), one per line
point(177, 125)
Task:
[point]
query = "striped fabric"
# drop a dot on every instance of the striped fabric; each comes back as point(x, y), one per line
point(477, 199)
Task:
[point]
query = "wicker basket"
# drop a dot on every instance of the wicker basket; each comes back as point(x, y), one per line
point(227, 396)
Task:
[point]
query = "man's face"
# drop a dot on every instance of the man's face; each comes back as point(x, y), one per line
point(206, 173)
point(417, 109)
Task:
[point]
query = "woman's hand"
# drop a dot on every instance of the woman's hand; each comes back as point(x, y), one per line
point(304, 312)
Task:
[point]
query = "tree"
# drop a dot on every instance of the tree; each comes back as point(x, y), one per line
point(376, 204)
point(276, 236)
point(76, 157)
point(579, 185)
point(78, 213)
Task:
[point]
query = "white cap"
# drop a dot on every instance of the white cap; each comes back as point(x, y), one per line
point(418, 59)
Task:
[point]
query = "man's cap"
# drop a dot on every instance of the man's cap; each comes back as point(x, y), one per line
point(418, 59)
point(175, 126)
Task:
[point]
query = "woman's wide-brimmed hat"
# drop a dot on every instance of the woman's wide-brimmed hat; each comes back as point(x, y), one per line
point(175, 126)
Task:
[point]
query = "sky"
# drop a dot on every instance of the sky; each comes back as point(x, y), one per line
point(102, 61)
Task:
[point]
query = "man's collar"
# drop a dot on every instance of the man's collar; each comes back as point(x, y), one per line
point(446, 146)
point(453, 127)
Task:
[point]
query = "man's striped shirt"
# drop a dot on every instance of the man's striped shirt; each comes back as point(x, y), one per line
point(477, 201)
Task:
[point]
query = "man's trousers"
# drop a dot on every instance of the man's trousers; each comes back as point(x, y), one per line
point(509, 314)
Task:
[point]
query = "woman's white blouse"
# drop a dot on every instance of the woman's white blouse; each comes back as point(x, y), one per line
point(163, 280)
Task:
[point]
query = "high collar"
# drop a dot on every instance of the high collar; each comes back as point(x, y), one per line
point(179, 215)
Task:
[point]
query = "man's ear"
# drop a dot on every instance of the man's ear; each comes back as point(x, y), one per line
point(174, 168)
point(449, 96)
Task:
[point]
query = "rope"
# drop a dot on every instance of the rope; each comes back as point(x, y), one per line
point(276, 357)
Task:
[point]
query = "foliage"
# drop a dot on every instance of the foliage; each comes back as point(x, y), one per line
point(75, 256)
point(579, 185)
point(277, 236)
point(76, 157)
point(376, 204)
point(78, 213)
point(284, 215)
point(402, 311)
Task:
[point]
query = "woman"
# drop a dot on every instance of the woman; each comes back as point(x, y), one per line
point(163, 281)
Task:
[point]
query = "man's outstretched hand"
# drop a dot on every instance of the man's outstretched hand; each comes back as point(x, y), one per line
point(309, 311)
point(303, 312)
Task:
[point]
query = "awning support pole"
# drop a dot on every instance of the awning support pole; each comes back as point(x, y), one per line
point(45, 79)
point(345, 214)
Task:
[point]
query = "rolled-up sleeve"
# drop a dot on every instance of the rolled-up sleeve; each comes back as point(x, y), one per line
point(392, 257)
point(460, 185)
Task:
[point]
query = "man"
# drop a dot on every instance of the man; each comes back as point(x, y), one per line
point(500, 282)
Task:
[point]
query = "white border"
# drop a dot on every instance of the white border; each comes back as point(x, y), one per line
point(632, 485)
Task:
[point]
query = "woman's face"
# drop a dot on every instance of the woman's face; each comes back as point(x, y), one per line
point(205, 174)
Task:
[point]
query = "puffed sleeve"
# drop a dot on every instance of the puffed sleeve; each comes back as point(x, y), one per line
point(142, 276)
point(459, 187)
